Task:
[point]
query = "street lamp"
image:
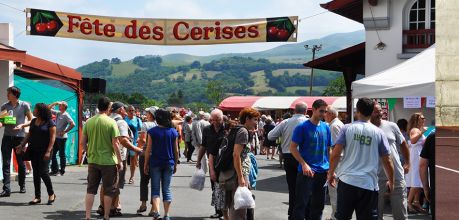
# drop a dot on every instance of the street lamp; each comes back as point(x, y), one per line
point(314, 48)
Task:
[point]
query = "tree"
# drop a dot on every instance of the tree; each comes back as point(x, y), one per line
point(195, 65)
point(115, 60)
point(336, 87)
point(215, 91)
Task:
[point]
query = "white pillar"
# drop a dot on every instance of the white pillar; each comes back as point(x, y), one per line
point(6, 68)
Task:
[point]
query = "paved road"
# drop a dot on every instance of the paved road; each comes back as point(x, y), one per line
point(447, 173)
point(271, 197)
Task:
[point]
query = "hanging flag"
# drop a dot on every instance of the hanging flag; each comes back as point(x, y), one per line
point(160, 31)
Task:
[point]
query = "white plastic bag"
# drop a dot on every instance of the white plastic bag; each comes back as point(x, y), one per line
point(243, 199)
point(198, 179)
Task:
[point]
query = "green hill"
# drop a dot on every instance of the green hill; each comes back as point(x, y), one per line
point(277, 71)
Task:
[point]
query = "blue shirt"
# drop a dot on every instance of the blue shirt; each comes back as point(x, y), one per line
point(313, 141)
point(162, 148)
point(135, 125)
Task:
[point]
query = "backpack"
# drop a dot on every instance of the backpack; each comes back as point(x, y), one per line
point(224, 159)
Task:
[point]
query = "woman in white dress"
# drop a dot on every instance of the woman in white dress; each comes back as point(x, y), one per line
point(413, 180)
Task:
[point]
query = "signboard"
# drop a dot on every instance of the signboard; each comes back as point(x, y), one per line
point(385, 108)
point(412, 102)
point(160, 31)
point(430, 103)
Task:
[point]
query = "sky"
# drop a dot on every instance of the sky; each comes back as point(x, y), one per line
point(76, 52)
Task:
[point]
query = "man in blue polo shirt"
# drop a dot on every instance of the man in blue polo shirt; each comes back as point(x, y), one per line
point(310, 144)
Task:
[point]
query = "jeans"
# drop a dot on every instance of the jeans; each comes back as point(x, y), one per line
point(161, 176)
point(310, 196)
point(291, 170)
point(59, 145)
point(41, 172)
point(8, 144)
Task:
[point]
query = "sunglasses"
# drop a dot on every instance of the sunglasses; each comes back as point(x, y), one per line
point(323, 111)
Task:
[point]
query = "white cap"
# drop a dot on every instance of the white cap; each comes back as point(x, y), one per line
point(152, 109)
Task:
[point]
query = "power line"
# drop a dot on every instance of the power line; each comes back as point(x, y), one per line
point(9, 6)
point(313, 15)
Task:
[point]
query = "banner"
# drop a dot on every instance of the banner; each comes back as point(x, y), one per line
point(430, 102)
point(412, 102)
point(385, 108)
point(160, 31)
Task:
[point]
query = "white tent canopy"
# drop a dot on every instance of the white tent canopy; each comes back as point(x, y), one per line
point(414, 77)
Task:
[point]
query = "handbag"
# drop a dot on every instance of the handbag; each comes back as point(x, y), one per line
point(228, 179)
point(26, 155)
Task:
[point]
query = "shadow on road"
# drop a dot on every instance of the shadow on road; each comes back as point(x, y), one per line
point(273, 184)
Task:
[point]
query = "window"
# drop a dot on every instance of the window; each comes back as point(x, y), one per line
point(419, 25)
point(422, 15)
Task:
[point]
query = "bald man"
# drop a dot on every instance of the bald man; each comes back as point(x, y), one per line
point(285, 131)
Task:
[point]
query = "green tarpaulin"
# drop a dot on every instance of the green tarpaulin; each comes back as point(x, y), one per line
point(49, 91)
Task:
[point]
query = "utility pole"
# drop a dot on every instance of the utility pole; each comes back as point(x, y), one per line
point(314, 48)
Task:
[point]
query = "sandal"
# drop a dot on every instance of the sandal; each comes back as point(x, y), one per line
point(154, 214)
point(35, 201)
point(141, 209)
point(216, 215)
point(131, 181)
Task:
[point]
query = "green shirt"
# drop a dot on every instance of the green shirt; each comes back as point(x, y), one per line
point(100, 130)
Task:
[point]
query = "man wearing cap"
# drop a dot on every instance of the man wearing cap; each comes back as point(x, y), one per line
point(64, 124)
point(118, 112)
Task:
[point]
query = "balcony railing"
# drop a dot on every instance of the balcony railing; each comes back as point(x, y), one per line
point(418, 39)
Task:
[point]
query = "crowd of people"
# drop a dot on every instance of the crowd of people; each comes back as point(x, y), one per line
point(358, 165)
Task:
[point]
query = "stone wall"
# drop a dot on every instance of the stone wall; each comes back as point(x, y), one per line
point(447, 63)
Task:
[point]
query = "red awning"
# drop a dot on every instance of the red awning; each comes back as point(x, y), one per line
point(51, 70)
point(237, 103)
point(352, 9)
point(11, 53)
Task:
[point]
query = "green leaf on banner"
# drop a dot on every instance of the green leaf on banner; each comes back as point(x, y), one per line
point(47, 15)
point(391, 102)
point(35, 18)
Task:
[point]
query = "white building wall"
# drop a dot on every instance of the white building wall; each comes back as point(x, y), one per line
point(390, 33)
point(6, 67)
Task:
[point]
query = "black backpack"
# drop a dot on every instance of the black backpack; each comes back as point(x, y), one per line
point(224, 159)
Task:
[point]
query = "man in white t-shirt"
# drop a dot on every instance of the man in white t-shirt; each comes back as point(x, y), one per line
point(398, 200)
point(364, 145)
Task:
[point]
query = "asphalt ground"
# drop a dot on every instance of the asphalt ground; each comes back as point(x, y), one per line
point(447, 173)
point(271, 197)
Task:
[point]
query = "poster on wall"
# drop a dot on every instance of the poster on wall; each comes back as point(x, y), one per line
point(430, 103)
point(385, 108)
point(156, 31)
point(412, 102)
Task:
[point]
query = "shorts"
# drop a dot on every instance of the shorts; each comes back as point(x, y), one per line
point(132, 153)
point(109, 176)
point(351, 198)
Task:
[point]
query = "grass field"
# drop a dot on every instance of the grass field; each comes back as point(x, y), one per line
point(260, 82)
point(123, 69)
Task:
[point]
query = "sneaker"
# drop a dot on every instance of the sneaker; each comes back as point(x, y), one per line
point(22, 190)
point(5, 194)
point(53, 173)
